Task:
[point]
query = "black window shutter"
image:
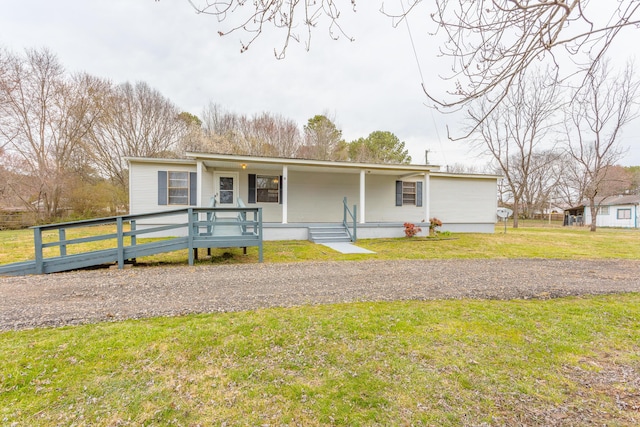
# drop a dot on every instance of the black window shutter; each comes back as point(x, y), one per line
point(193, 188)
point(419, 193)
point(280, 198)
point(162, 188)
point(398, 193)
point(252, 189)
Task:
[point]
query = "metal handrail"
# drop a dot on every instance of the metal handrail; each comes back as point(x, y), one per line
point(347, 213)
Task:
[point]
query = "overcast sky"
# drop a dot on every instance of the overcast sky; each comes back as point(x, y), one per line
point(373, 83)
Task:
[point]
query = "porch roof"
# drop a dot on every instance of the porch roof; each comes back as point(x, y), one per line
point(232, 161)
point(276, 163)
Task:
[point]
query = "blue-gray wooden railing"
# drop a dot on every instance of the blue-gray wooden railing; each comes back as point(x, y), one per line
point(192, 228)
point(349, 220)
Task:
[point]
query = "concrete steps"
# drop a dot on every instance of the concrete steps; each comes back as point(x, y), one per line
point(329, 234)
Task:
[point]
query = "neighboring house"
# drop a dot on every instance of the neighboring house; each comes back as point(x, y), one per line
point(615, 211)
point(296, 194)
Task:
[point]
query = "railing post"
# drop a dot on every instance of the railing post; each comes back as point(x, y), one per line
point(355, 224)
point(37, 240)
point(62, 237)
point(260, 257)
point(120, 238)
point(190, 235)
point(132, 225)
point(134, 241)
point(344, 210)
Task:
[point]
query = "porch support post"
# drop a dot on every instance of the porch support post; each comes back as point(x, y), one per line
point(362, 196)
point(200, 172)
point(285, 194)
point(425, 197)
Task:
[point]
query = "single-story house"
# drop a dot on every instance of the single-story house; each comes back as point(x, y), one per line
point(297, 194)
point(615, 211)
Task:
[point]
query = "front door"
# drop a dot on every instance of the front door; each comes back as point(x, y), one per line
point(226, 189)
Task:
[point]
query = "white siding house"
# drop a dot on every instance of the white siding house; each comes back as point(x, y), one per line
point(615, 211)
point(295, 194)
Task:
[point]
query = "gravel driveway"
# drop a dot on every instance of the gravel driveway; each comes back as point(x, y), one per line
point(111, 294)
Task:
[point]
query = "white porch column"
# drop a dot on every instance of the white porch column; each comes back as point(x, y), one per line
point(285, 194)
point(425, 197)
point(362, 196)
point(200, 173)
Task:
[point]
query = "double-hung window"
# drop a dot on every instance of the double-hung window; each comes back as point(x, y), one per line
point(265, 189)
point(624, 214)
point(177, 188)
point(409, 193)
point(603, 210)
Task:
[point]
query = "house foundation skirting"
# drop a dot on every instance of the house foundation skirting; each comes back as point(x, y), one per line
point(377, 230)
point(374, 230)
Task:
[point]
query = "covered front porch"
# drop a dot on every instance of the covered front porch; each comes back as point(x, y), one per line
point(296, 194)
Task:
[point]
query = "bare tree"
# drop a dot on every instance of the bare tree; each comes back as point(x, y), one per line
point(218, 126)
point(44, 115)
point(193, 137)
point(262, 134)
point(288, 16)
point(477, 169)
point(137, 121)
point(5, 88)
point(280, 133)
point(617, 181)
point(491, 43)
point(266, 134)
point(544, 176)
point(513, 132)
point(599, 111)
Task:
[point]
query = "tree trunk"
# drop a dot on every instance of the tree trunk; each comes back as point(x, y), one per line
point(516, 211)
point(594, 214)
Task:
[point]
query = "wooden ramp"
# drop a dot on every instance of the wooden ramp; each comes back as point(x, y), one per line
point(194, 227)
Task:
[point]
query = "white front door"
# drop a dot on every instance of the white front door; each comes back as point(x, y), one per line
point(225, 186)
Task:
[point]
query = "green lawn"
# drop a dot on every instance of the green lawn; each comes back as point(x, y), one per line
point(524, 242)
point(569, 361)
point(573, 361)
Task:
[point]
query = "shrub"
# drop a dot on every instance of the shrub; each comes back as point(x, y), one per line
point(434, 223)
point(410, 229)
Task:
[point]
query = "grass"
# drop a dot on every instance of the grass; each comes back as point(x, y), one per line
point(445, 363)
point(529, 241)
point(570, 361)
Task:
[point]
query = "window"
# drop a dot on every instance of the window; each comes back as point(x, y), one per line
point(603, 210)
point(624, 214)
point(409, 193)
point(178, 187)
point(267, 189)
